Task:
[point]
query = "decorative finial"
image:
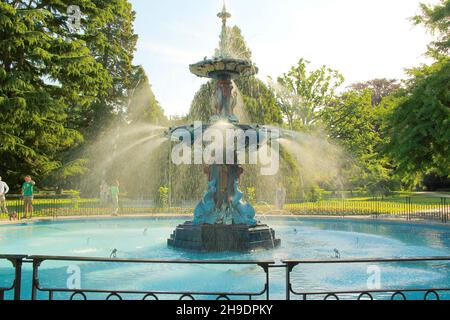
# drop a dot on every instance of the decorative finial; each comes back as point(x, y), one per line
point(224, 15)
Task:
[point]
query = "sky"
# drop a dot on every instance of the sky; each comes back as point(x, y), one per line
point(363, 39)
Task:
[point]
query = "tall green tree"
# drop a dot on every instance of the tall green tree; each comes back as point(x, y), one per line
point(419, 118)
point(108, 31)
point(354, 123)
point(142, 106)
point(436, 18)
point(419, 124)
point(301, 93)
point(44, 73)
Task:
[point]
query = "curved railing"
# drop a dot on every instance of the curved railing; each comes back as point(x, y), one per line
point(16, 261)
point(425, 293)
point(399, 293)
point(146, 295)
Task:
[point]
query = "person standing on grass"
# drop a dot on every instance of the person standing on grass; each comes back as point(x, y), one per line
point(28, 194)
point(4, 189)
point(115, 192)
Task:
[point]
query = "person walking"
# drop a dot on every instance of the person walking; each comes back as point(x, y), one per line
point(4, 189)
point(28, 194)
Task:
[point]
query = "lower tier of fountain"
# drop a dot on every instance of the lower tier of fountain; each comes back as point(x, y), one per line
point(223, 238)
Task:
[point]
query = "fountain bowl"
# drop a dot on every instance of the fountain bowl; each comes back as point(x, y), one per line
point(223, 68)
point(223, 238)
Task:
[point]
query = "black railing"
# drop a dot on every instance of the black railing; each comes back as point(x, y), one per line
point(436, 211)
point(155, 295)
point(399, 293)
point(44, 205)
point(66, 205)
point(429, 293)
point(16, 261)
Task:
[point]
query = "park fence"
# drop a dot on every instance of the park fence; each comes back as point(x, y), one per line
point(11, 288)
point(70, 206)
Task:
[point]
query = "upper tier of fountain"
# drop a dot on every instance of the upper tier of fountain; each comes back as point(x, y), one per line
point(224, 66)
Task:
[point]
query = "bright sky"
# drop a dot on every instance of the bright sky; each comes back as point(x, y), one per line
point(363, 39)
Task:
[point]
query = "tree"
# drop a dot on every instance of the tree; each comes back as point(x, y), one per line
point(235, 45)
point(436, 19)
point(352, 122)
point(44, 72)
point(142, 106)
point(419, 125)
point(418, 122)
point(108, 31)
point(301, 94)
point(380, 88)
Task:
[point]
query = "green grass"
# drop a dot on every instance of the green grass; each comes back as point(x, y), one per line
point(416, 197)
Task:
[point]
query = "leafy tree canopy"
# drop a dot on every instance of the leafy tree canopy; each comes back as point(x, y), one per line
point(302, 93)
point(419, 126)
point(44, 72)
point(380, 88)
point(436, 19)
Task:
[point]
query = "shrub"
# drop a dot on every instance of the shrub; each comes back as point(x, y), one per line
point(315, 194)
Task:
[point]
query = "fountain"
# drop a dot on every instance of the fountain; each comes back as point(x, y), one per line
point(222, 220)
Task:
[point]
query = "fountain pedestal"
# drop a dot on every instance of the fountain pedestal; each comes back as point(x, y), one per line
point(223, 238)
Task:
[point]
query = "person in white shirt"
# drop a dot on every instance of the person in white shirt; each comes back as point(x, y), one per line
point(4, 189)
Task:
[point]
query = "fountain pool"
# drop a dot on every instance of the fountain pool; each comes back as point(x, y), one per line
point(303, 238)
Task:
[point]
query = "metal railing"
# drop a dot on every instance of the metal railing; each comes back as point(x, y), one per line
point(45, 206)
point(361, 294)
point(155, 295)
point(16, 261)
point(264, 293)
point(55, 206)
point(438, 211)
point(60, 206)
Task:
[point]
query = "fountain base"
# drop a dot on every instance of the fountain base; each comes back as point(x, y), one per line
point(223, 238)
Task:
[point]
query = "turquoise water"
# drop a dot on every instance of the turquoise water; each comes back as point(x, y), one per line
point(146, 238)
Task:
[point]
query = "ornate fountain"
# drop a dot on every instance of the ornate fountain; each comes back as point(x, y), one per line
point(223, 221)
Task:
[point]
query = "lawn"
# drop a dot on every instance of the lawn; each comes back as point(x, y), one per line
point(416, 197)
